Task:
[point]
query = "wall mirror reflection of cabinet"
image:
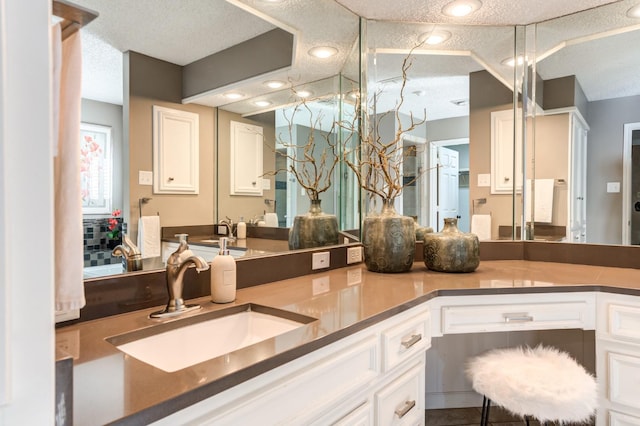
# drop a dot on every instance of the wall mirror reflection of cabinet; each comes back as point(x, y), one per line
point(246, 159)
point(176, 144)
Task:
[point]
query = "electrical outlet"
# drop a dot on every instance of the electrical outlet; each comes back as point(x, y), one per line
point(354, 255)
point(320, 260)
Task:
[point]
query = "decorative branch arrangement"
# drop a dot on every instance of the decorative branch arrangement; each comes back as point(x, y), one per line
point(310, 164)
point(377, 163)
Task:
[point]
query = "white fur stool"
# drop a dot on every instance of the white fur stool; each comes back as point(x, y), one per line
point(542, 383)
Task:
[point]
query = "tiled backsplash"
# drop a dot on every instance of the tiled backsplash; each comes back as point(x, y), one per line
point(96, 242)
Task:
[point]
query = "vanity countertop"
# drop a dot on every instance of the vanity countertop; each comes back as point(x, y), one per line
point(112, 387)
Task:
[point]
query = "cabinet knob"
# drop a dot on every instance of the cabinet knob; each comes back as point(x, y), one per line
point(170, 179)
point(506, 179)
point(402, 411)
point(253, 183)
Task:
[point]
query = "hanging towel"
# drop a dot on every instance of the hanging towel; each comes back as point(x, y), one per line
point(481, 226)
point(149, 236)
point(69, 249)
point(543, 208)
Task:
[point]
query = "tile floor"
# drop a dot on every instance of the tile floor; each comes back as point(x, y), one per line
point(471, 416)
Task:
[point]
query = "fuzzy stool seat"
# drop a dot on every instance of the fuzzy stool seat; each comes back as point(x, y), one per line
point(542, 383)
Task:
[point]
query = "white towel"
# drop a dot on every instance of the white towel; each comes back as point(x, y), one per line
point(481, 226)
point(67, 77)
point(543, 208)
point(149, 236)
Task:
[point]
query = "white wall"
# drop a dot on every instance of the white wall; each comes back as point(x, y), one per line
point(26, 282)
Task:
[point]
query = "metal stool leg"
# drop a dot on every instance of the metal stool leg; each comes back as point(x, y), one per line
point(526, 419)
point(486, 405)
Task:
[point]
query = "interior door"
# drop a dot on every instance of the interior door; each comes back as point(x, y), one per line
point(447, 185)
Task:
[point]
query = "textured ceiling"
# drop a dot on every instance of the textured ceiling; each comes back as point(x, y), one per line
point(184, 31)
point(492, 12)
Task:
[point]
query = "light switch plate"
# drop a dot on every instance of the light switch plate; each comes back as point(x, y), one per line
point(145, 178)
point(484, 179)
point(613, 187)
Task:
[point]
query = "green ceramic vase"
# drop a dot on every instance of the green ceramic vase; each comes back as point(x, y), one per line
point(389, 241)
point(451, 250)
point(313, 229)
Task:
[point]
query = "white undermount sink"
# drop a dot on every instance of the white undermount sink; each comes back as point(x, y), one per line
point(185, 342)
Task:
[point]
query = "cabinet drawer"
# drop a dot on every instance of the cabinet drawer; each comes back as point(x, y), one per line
point(624, 380)
point(624, 322)
point(617, 419)
point(514, 316)
point(361, 416)
point(406, 339)
point(401, 402)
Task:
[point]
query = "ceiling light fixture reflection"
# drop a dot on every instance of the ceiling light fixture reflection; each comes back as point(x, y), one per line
point(435, 37)
point(262, 103)
point(274, 84)
point(634, 12)
point(511, 62)
point(460, 8)
point(420, 93)
point(323, 52)
point(233, 95)
point(460, 102)
point(303, 93)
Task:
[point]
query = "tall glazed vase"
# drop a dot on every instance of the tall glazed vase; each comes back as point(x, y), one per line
point(313, 229)
point(389, 240)
point(451, 250)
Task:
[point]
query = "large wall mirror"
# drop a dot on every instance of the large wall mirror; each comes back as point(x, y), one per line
point(589, 64)
point(575, 72)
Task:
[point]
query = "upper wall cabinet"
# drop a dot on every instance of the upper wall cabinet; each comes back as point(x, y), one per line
point(175, 151)
point(246, 159)
point(502, 146)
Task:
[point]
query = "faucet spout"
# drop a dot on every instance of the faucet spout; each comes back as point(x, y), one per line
point(176, 267)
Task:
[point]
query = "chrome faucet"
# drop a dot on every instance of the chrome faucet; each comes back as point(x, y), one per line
point(228, 222)
point(131, 257)
point(177, 264)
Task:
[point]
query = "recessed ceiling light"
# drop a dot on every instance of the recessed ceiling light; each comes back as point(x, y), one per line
point(262, 103)
point(459, 8)
point(323, 52)
point(274, 84)
point(435, 37)
point(233, 95)
point(634, 12)
point(303, 93)
point(511, 62)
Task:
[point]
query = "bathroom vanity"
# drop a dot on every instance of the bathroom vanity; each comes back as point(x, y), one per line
point(363, 360)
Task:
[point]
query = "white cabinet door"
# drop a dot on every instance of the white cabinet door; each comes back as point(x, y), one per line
point(176, 146)
point(246, 159)
point(578, 181)
point(502, 147)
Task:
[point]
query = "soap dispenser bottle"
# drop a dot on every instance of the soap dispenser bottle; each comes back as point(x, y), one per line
point(223, 275)
point(241, 229)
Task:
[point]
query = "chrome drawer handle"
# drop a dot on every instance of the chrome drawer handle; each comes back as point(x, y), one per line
point(408, 405)
point(517, 318)
point(415, 338)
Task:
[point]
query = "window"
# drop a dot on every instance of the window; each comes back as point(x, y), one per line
point(95, 170)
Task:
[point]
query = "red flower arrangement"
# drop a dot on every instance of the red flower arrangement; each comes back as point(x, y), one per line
point(114, 226)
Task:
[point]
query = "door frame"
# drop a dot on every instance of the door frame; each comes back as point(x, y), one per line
point(433, 181)
point(627, 168)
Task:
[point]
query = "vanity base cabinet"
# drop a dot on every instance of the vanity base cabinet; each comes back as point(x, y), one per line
point(618, 360)
point(367, 378)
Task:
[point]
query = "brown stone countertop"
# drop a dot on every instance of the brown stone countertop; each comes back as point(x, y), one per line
point(111, 387)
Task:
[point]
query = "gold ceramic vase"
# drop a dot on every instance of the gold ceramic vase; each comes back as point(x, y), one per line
point(451, 250)
point(313, 229)
point(389, 241)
